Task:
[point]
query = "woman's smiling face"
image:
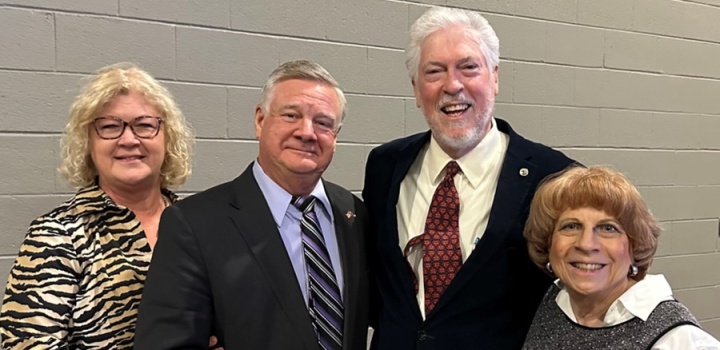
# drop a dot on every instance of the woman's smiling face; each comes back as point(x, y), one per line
point(590, 254)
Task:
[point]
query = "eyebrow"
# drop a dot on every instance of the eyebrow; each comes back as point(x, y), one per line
point(321, 115)
point(467, 59)
point(460, 61)
point(290, 106)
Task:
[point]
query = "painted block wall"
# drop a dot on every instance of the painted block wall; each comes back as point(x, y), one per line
point(630, 83)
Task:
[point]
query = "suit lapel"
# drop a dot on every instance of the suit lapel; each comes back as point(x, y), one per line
point(403, 161)
point(343, 208)
point(513, 187)
point(255, 224)
point(405, 157)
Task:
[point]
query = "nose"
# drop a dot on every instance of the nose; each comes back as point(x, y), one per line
point(305, 130)
point(452, 85)
point(587, 241)
point(128, 137)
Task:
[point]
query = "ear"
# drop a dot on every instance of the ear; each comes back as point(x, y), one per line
point(496, 80)
point(259, 119)
point(416, 93)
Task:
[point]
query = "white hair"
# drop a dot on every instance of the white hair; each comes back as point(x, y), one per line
point(436, 18)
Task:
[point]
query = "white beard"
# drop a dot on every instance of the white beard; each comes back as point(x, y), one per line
point(470, 138)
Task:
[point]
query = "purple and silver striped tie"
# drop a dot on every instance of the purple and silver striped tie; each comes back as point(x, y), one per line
point(325, 306)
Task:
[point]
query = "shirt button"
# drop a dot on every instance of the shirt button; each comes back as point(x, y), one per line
point(422, 336)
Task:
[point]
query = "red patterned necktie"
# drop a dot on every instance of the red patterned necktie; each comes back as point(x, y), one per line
point(442, 257)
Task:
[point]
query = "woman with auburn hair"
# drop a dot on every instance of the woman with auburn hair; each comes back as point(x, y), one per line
point(79, 275)
point(590, 228)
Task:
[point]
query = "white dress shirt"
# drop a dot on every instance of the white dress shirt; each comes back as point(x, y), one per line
point(476, 186)
point(639, 301)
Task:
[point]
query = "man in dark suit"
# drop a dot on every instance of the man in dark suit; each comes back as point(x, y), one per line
point(448, 206)
point(274, 259)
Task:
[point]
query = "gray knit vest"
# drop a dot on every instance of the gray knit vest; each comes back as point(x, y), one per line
point(553, 330)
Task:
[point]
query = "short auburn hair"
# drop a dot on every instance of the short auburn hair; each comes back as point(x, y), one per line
point(597, 187)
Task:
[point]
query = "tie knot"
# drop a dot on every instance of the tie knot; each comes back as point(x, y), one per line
point(452, 168)
point(304, 205)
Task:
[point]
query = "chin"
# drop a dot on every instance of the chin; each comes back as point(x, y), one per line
point(456, 139)
point(137, 179)
point(303, 166)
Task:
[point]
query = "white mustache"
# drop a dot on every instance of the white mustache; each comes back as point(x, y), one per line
point(454, 99)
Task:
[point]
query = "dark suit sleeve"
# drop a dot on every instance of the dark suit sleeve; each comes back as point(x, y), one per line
point(371, 241)
point(176, 308)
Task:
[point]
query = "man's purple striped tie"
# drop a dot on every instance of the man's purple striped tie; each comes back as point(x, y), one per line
point(325, 306)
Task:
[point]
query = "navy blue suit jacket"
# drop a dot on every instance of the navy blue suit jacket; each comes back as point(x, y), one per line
point(492, 299)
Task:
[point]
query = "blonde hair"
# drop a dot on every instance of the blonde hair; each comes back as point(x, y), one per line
point(117, 80)
point(595, 187)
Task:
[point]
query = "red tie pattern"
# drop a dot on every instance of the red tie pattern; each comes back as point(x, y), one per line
point(442, 257)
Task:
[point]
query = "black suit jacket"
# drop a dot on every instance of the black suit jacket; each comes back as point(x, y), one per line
point(492, 299)
point(220, 267)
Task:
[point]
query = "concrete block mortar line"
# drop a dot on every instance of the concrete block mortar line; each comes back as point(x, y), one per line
point(29, 133)
point(574, 23)
point(690, 255)
point(49, 9)
point(692, 288)
point(526, 104)
point(700, 3)
point(616, 70)
point(639, 148)
point(55, 39)
point(118, 16)
point(210, 27)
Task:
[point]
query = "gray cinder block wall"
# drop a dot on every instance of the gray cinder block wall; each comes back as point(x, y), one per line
point(632, 83)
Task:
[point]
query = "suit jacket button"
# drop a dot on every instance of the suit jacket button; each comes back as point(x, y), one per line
point(422, 336)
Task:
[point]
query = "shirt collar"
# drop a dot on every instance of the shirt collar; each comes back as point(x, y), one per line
point(473, 164)
point(643, 297)
point(278, 199)
point(639, 300)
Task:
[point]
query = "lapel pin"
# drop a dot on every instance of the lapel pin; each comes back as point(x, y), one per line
point(524, 172)
point(350, 214)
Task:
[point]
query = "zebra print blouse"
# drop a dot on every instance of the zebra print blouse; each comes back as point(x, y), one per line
point(78, 278)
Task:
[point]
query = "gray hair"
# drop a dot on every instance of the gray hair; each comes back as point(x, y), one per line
point(303, 70)
point(438, 18)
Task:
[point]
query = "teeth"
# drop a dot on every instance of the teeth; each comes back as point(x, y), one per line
point(455, 108)
point(590, 267)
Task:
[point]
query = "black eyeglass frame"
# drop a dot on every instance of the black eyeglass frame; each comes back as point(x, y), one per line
point(125, 125)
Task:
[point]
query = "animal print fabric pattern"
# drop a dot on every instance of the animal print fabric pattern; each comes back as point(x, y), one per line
point(78, 278)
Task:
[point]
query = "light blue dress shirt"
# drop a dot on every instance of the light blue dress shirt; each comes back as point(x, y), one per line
point(287, 219)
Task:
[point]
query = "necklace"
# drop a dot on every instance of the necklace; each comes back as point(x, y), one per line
point(166, 203)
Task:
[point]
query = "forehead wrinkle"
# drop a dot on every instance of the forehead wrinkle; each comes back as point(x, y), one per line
point(295, 106)
point(290, 106)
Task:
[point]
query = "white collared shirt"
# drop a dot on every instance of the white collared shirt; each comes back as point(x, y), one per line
point(475, 185)
point(639, 301)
